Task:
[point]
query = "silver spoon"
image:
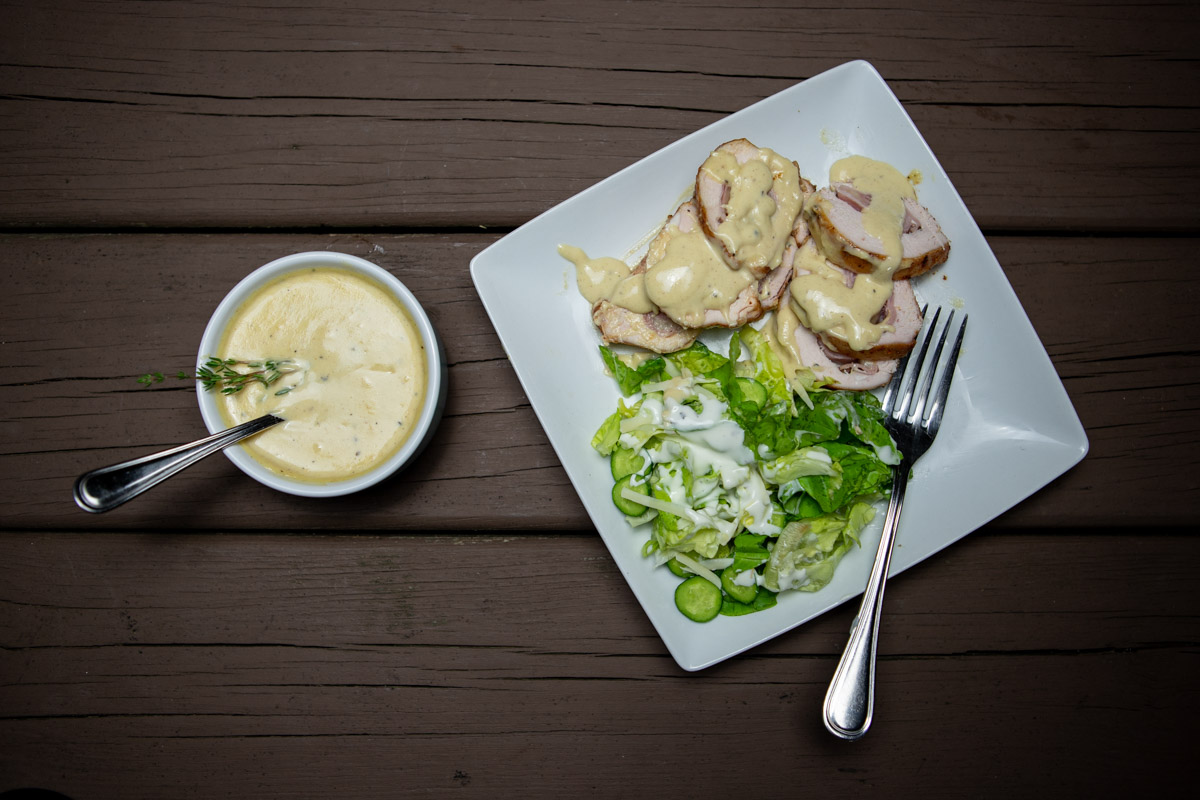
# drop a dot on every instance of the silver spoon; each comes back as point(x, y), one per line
point(106, 488)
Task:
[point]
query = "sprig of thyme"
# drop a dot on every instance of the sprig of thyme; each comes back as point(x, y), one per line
point(231, 375)
point(222, 373)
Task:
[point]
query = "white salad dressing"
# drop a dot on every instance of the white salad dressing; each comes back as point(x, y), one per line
point(713, 448)
point(709, 427)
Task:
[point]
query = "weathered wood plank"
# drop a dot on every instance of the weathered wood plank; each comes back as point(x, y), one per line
point(189, 114)
point(127, 657)
point(1089, 723)
point(555, 594)
point(89, 313)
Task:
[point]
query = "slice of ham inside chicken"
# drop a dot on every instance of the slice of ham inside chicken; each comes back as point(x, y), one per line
point(859, 316)
point(868, 220)
point(850, 290)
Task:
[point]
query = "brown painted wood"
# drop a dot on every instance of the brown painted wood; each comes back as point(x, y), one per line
point(361, 663)
point(77, 338)
point(215, 639)
point(382, 115)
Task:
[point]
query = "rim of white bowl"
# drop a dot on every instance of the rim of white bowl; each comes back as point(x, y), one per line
point(434, 371)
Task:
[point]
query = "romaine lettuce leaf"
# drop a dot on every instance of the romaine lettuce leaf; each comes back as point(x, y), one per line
point(857, 473)
point(804, 462)
point(806, 553)
point(630, 380)
point(642, 423)
point(606, 436)
point(763, 600)
point(749, 552)
point(697, 359)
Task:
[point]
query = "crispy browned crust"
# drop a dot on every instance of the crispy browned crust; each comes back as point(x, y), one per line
point(880, 352)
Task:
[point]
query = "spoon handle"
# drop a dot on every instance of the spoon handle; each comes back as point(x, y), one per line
point(106, 488)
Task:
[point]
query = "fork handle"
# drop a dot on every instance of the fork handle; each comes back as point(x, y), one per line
point(851, 695)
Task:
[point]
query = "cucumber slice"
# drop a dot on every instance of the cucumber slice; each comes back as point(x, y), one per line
point(625, 462)
point(752, 390)
point(743, 594)
point(697, 599)
point(628, 506)
point(678, 569)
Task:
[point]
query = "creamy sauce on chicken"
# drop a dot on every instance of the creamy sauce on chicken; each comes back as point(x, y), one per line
point(764, 199)
point(883, 217)
point(781, 335)
point(823, 301)
point(606, 278)
point(693, 278)
point(687, 275)
point(609, 279)
point(822, 297)
point(689, 279)
point(361, 385)
point(706, 267)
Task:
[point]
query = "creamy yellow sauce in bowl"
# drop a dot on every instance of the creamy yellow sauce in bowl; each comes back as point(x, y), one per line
point(361, 381)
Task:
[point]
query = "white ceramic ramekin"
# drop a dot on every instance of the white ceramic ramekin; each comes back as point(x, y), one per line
point(435, 368)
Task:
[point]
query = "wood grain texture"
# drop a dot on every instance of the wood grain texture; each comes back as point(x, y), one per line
point(291, 666)
point(216, 639)
point(74, 348)
point(203, 114)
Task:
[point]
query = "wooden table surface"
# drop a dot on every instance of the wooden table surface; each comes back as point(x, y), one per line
point(461, 629)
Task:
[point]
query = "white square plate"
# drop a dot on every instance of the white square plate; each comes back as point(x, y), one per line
point(1009, 427)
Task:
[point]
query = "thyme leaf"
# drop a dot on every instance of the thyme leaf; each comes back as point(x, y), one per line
point(231, 375)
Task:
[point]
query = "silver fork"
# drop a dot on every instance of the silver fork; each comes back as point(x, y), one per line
point(913, 417)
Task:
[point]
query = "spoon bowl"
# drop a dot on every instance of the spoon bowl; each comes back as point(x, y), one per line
point(108, 487)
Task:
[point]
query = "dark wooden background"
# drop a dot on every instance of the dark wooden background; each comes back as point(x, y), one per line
point(461, 629)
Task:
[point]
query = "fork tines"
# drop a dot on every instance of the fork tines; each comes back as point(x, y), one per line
point(899, 404)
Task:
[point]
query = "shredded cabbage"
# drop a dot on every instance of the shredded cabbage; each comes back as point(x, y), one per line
point(743, 477)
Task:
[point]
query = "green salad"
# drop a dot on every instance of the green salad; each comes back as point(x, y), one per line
point(745, 484)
